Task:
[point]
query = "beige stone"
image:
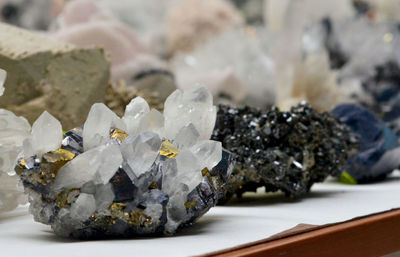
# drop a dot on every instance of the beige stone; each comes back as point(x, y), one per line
point(47, 75)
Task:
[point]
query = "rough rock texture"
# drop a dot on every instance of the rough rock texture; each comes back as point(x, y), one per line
point(379, 147)
point(287, 151)
point(47, 75)
point(13, 131)
point(145, 173)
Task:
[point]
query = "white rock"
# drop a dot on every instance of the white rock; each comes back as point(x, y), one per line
point(140, 151)
point(47, 134)
point(83, 207)
point(186, 137)
point(96, 130)
point(209, 152)
point(98, 164)
point(193, 106)
point(3, 76)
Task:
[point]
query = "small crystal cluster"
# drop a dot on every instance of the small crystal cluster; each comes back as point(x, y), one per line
point(13, 131)
point(379, 147)
point(287, 151)
point(145, 173)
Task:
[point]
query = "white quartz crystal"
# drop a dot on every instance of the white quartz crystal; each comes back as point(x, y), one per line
point(96, 130)
point(98, 164)
point(209, 151)
point(47, 134)
point(187, 136)
point(13, 132)
point(104, 196)
point(192, 106)
point(169, 150)
point(83, 207)
point(3, 75)
point(244, 65)
point(152, 121)
point(141, 151)
point(189, 165)
point(134, 111)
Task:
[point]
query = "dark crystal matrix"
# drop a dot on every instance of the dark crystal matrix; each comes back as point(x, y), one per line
point(287, 151)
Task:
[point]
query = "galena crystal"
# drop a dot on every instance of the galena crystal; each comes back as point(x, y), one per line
point(144, 173)
point(13, 132)
point(287, 151)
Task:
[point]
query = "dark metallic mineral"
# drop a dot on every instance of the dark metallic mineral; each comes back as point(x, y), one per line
point(287, 151)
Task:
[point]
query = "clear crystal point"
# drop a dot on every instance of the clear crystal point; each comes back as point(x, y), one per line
point(96, 130)
point(47, 134)
point(140, 151)
point(192, 106)
point(134, 111)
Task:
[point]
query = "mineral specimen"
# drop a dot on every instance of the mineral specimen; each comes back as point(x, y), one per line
point(47, 75)
point(146, 173)
point(287, 151)
point(379, 147)
point(241, 72)
point(13, 131)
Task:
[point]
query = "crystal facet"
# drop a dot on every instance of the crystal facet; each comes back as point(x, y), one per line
point(105, 182)
point(46, 134)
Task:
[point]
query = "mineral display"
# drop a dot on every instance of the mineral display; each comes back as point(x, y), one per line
point(287, 151)
point(379, 147)
point(47, 75)
point(13, 131)
point(145, 173)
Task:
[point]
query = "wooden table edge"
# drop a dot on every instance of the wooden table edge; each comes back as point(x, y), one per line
point(373, 235)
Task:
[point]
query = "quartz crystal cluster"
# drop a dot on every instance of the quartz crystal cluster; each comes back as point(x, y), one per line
point(13, 131)
point(144, 173)
point(287, 151)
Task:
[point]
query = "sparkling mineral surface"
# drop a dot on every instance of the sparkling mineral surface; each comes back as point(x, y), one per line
point(287, 151)
point(145, 173)
point(379, 148)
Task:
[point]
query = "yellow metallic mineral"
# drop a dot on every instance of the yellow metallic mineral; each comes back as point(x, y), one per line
point(168, 150)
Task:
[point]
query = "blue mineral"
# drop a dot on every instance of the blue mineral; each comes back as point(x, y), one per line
point(378, 144)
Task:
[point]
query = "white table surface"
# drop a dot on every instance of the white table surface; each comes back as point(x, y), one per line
point(253, 218)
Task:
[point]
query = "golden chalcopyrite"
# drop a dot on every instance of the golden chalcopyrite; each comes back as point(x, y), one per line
point(118, 134)
point(168, 149)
